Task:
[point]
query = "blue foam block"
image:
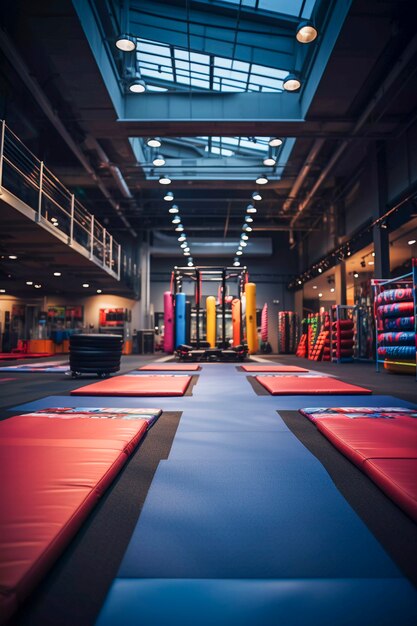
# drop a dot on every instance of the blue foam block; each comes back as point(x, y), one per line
point(246, 519)
point(298, 602)
point(229, 446)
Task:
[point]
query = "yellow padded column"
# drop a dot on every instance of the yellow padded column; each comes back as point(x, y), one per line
point(211, 320)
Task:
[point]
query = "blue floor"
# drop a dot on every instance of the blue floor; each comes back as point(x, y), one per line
point(243, 525)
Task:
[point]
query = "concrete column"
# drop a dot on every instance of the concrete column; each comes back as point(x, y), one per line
point(380, 235)
point(340, 283)
point(145, 272)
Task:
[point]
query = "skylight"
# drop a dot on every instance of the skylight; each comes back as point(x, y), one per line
point(169, 67)
point(284, 7)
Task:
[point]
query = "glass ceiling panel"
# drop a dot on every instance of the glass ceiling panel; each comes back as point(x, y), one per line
point(284, 7)
point(180, 69)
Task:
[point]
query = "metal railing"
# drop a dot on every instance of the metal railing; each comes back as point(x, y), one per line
point(28, 179)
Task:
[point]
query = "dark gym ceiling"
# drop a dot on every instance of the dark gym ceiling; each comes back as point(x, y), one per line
point(50, 82)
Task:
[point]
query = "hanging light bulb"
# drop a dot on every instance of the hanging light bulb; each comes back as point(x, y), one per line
point(137, 85)
point(251, 209)
point(125, 43)
point(269, 160)
point(291, 82)
point(262, 180)
point(256, 196)
point(182, 237)
point(274, 142)
point(244, 237)
point(239, 253)
point(164, 180)
point(159, 161)
point(169, 196)
point(306, 32)
point(248, 229)
point(173, 209)
point(184, 245)
point(236, 263)
point(176, 220)
point(243, 243)
point(179, 228)
point(248, 219)
point(154, 142)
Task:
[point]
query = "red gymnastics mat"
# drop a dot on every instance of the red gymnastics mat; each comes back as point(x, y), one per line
point(292, 369)
point(301, 386)
point(170, 367)
point(53, 473)
point(158, 385)
point(8, 356)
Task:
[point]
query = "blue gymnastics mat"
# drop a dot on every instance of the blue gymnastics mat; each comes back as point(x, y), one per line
point(229, 446)
point(246, 519)
point(293, 403)
point(296, 602)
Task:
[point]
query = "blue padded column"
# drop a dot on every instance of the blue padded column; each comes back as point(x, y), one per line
point(179, 319)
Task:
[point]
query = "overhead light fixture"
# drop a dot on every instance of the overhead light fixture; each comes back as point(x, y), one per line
point(29, 282)
point(300, 282)
point(55, 223)
point(176, 220)
point(320, 270)
point(154, 142)
point(411, 242)
point(57, 274)
point(173, 209)
point(269, 160)
point(169, 196)
point(248, 229)
point(86, 285)
point(179, 228)
point(13, 257)
point(99, 291)
point(186, 254)
point(187, 249)
point(314, 286)
point(236, 263)
point(383, 225)
point(274, 142)
point(126, 43)
point(320, 295)
point(37, 286)
point(190, 263)
point(251, 209)
point(355, 275)
point(239, 252)
point(137, 85)
point(243, 243)
point(371, 263)
point(306, 32)
point(2, 291)
point(182, 237)
point(291, 82)
point(159, 161)
point(262, 180)
point(164, 180)
point(248, 219)
point(244, 237)
point(256, 196)
point(184, 244)
point(332, 289)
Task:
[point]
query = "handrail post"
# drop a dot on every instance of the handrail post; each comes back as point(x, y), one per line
point(39, 214)
point(92, 237)
point(3, 130)
point(111, 253)
point(71, 235)
point(119, 256)
point(104, 246)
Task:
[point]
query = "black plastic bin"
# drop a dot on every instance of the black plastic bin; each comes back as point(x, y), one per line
point(95, 354)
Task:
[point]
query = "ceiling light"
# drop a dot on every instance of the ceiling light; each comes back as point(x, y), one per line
point(159, 160)
point(184, 244)
point(13, 257)
point(236, 263)
point(99, 291)
point(244, 237)
point(274, 142)
point(256, 196)
point(384, 225)
point(137, 85)
point(373, 253)
point(239, 252)
point(320, 295)
point(269, 160)
point(173, 209)
point(355, 275)
point(262, 180)
point(320, 270)
point(182, 237)
point(86, 285)
point(176, 220)
point(57, 273)
point(291, 82)
point(410, 243)
point(179, 228)
point(29, 282)
point(55, 223)
point(37, 286)
point(306, 32)
point(300, 282)
point(371, 263)
point(187, 249)
point(248, 219)
point(169, 196)
point(332, 289)
point(243, 244)
point(186, 254)
point(251, 209)
point(2, 291)
point(154, 142)
point(248, 229)
point(190, 263)
point(126, 43)
point(164, 180)
point(314, 286)
point(53, 219)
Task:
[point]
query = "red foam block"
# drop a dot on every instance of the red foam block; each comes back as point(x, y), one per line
point(273, 368)
point(297, 386)
point(398, 479)
point(135, 385)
